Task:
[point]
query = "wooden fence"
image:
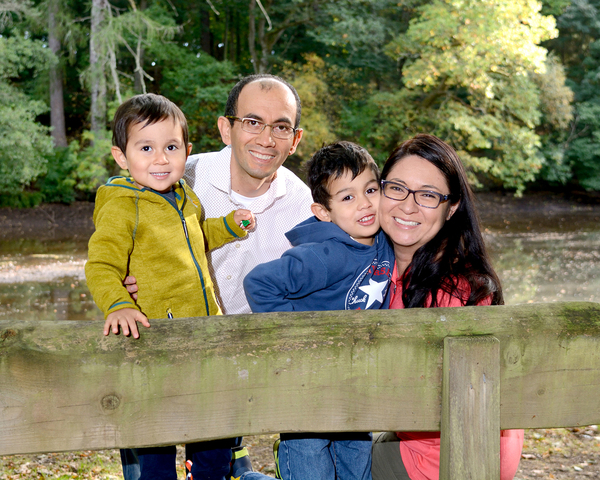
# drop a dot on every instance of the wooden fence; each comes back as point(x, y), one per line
point(468, 372)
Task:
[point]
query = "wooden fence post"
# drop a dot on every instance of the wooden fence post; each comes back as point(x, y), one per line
point(470, 430)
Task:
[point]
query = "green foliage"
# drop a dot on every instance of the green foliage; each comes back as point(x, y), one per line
point(467, 66)
point(557, 169)
point(92, 162)
point(317, 111)
point(556, 97)
point(25, 199)
point(584, 151)
point(554, 7)
point(199, 85)
point(474, 72)
point(23, 142)
point(556, 102)
point(77, 171)
point(579, 48)
point(58, 184)
point(354, 33)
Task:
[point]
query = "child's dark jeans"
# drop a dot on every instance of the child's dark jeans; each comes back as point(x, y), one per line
point(210, 461)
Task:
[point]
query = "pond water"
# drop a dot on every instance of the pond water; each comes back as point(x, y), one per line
point(543, 253)
point(548, 254)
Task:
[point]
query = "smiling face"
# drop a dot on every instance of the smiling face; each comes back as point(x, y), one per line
point(409, 225)
point(155, 155)
point(353, 205)
point(256, 157)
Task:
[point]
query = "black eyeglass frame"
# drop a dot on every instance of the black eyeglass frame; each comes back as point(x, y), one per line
point(265, 125)
point(441, 198)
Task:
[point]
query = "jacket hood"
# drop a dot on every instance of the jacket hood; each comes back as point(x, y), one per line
point(129, 183)
point(119, 187)
point(313, 230)
point(125, 186)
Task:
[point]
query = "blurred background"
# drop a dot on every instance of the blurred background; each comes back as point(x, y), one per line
point(511, 84)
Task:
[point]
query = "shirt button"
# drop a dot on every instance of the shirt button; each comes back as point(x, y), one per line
point(228, 277)
point(237, 245)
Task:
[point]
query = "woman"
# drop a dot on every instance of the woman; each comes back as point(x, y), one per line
point(428, 212)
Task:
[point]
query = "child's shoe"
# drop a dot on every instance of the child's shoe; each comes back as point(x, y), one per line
point(240, 462)
point(188, 470)
point(276, 455)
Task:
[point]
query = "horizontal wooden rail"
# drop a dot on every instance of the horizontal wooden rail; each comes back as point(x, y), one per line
point(63, 386)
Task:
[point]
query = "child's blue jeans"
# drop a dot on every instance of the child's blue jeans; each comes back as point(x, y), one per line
point(344, 456)
point(210, 461)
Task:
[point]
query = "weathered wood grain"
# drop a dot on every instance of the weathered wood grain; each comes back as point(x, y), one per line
point(470, 434)
point(63, 386)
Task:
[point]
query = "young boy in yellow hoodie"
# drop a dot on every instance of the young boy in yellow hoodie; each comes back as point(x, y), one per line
point(149, 225)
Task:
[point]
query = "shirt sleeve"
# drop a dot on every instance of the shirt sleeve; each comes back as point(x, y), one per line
point(219, 231)
point(271, 286)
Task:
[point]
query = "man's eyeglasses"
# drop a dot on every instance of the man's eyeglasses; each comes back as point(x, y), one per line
point(252, 125)
point(423, 198)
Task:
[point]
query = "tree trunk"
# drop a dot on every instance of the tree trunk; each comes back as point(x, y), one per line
point(98, 80)
point(139, 83)
point(57, 107)
point(252, 35)
point(205, 39)
point(263, 66)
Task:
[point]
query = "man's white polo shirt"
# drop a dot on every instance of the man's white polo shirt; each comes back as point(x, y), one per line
point(282, 207)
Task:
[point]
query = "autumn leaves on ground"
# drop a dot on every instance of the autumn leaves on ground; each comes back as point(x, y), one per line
point(550, 454)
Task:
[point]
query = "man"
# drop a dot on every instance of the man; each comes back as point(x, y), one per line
point(260, 129)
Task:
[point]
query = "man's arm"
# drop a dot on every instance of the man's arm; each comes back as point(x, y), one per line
point(130, 283)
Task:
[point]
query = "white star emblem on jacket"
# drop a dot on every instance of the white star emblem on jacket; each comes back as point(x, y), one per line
point(374, 290)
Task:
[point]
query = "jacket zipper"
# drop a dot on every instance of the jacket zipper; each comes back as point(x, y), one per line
point(187, 238)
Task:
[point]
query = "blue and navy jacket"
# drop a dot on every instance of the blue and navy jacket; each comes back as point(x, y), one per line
point(326, 270)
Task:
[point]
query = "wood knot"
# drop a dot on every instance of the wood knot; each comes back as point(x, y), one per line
point(110, 402)
point(513, 355)
point(8, 333)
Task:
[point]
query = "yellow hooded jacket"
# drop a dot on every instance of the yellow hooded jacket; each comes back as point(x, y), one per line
point(140, 232)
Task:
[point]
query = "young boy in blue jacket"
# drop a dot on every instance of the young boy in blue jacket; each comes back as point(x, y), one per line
point(340, 261)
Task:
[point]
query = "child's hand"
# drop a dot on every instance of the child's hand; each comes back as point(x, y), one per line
point(127, 319)
point(244, 218)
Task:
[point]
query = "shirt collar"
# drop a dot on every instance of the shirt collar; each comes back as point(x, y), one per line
point(396, 289)
point(220, 176)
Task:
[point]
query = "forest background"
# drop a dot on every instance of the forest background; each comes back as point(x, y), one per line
point(513, 85)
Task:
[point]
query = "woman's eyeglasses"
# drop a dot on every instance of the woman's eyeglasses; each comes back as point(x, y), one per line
point(423, 198)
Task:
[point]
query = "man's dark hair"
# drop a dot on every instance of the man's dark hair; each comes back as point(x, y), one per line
point(148, 109)
point(266, 82)
point(331, 162)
